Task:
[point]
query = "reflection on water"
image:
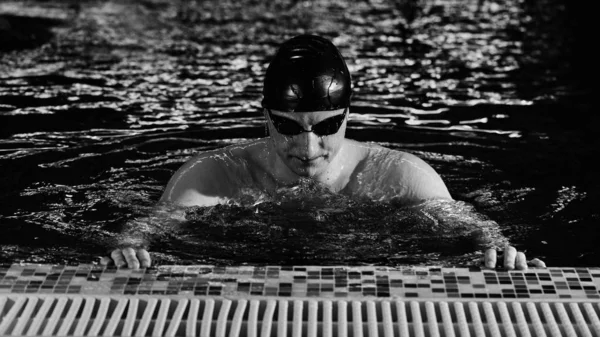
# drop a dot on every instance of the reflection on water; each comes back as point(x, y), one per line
point(96, 119)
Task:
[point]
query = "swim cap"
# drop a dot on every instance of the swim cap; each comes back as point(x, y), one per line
point(308, 73)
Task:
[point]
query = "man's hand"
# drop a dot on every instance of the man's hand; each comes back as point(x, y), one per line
point(128, 257)
point(512, 259)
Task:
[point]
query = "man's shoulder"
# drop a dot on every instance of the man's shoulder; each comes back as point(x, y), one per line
point(419, 180)
point(210, 176)
point(406, 164)
point(378, 154)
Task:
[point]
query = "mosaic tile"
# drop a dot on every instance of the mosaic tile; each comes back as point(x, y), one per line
point(304, 281)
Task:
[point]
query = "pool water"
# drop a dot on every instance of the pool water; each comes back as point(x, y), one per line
point(98, 114)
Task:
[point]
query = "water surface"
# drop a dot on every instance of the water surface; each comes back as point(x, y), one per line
point(97, 117)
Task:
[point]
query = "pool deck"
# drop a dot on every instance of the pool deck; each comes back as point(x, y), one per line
point(414, 283)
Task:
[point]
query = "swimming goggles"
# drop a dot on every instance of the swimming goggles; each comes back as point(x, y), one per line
point(289, 127)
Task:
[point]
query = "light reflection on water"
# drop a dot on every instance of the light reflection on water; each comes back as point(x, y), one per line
point(100, 119)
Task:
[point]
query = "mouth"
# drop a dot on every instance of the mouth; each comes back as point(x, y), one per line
point(307, 160)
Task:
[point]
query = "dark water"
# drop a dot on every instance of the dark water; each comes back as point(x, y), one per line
point(100, 104)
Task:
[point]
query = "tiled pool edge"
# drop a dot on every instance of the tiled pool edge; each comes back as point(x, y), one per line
point(89, 300)
point(305, 281)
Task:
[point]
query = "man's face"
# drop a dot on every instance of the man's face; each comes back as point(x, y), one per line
point(307, 154)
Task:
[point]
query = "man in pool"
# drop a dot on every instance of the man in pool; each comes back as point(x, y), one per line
point(307, 91)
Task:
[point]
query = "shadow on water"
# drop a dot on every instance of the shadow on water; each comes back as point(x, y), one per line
point(22, 32)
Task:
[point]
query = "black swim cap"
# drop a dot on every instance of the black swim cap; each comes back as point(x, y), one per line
point(308, 73)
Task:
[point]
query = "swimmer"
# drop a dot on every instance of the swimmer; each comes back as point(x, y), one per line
point(307, 91)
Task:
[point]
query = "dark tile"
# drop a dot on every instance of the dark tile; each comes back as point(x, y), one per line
point(253, 287)
point(396, 283)
point(299, 279)
point(355, 287)
point(284, 286)
point(369, 291)
point(354, 275)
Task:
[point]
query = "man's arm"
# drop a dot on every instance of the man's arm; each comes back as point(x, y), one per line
point(202, 181)
point(130, 247)
point(420, 182)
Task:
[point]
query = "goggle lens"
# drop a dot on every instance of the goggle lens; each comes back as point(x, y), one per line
point(288, 127)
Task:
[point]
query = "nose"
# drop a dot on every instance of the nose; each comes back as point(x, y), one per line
point(310, 145)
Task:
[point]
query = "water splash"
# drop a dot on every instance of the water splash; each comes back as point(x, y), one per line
point(308, 224)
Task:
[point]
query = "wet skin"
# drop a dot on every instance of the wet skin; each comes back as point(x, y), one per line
point(341, 164)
